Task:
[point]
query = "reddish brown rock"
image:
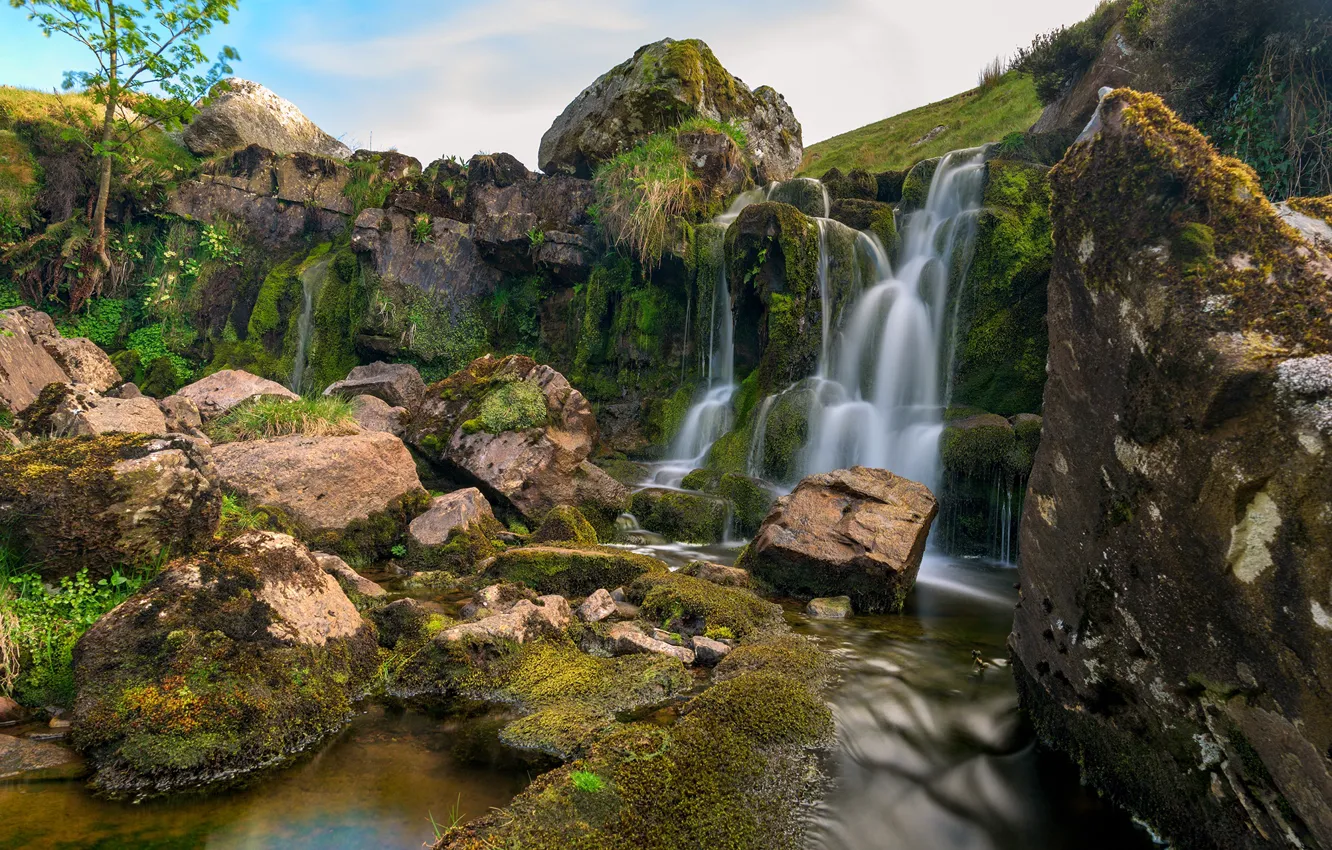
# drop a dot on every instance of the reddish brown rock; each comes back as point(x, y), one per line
point(25, 365)
point(857, 532)
point(398, 384)
point(84, 362)
point(221, 391)
point(448, 513)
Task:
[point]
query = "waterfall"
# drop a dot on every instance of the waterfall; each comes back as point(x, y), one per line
point(754, 459)
point(880, 396)
point(312, 278)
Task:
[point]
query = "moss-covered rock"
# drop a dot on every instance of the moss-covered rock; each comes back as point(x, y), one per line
point(108, 501)
point(681, 516)
point(694, 605)
point(565, 524)
point(570, 570)
point(806, 194)
point(858, 185)
point(749, 499)
point(1000, 350)
point(229, 662)
point(916, 185)
point(980, 445)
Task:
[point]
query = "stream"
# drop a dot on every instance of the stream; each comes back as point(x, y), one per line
point(932, 755)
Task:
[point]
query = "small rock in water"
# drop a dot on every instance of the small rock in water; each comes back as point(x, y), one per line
point(628, 639)
point(596, 607)
point(709, 652)
point(831, 608)
point(32, 759)
point(10, 711)
point(664, 636)
point(619, 595)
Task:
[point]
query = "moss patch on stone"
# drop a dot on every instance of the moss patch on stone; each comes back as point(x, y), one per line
point(681, 516)
point(572, 571)
point(697, 605)
point(565, 524)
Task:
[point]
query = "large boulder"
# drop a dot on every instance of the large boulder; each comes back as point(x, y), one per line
point(245, 113)
point(83, 362)
point(327, 486)
point(110, 501)
point(522, 433)
point(681, 516)
point(855, 532)
point(77, 411)
point(227, 663)
point(1174, 634)
point(659, 87)
point(26, 367)
point(399, 384)
point(221, 391)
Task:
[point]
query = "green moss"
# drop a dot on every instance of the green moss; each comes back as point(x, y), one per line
point(1195, 247)
point(791, 655)
point(365, 541)
point(572, 571)
point(980, 449)
point(680, 516)
point(883, 224)
point(916, 186)
point(343, 301)
point(624, 471)
point(670, 415)
point(460, 555)
point(511, 406)
point(701, 605)
point(766, 707)
point(749, 500)
point(564, 524)
point(1315, 207)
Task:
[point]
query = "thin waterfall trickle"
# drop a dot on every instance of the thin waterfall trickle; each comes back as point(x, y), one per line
point(880, 396)
point(754, 459)
point(312, 278)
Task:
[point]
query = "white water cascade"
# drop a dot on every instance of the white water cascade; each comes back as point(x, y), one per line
point(879, 399)
point(312, 278)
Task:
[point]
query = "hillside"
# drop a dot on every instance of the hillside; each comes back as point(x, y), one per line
point(970, 119)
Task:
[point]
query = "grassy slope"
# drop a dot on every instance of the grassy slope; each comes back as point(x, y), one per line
point(972, 118)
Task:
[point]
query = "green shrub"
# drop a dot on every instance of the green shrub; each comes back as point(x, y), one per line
point(1056, 59)
point(643, 193)
point(271, 416)
point(100, 322)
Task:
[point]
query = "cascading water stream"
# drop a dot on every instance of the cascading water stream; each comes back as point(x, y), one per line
point(312, 279)
point(879, 400)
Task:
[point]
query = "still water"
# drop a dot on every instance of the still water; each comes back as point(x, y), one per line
point(932, 755)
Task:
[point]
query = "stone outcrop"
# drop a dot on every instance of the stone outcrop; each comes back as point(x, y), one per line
point(244, 113)
point(83, 362)
point(109, 501)
point(224, 390)
point(323, 484)
point(226, 663)
point(445, 261)
point(522, 433)
point(1174, 634)
point(26, 367)
point(856, 532)
point(660, 86)
point(398, 384)
point(681, 516)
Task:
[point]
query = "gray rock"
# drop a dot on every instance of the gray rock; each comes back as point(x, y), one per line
point(662, 84)
point(249, 114)
point(452, 511)
point(398, 384)
point(596, 607)
point(709, 652)
point(447, 262)
point(829, 608)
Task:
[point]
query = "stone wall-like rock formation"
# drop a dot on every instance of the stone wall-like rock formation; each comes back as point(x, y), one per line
point(1175, 630)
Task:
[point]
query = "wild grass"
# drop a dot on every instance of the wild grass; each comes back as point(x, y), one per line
point(642, 193)
point(270, 416)
point(736, 133)
point(991, 74)
point(971, 118)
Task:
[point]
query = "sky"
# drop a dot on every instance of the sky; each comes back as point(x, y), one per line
point(458, 77)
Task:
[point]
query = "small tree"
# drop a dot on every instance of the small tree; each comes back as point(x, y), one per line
point(143, 48)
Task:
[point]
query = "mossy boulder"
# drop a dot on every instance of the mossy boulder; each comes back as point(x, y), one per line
point(681, 516)
point(857, 185)
point(916, 185)
point(660, 86)
point(1175, 558)
point(889, 186)
point(804, 193)
point(117, 500)
point(749, 499)
point(572, 570)
point(227, 663)
point(565, 524)
point(520, 432)
point(457, 532)
point(694, 606)
point(980, 445)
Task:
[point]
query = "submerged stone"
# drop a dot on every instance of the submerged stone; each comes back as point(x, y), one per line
point(834, 608)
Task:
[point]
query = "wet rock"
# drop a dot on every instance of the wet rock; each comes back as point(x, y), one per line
point(916, 185)
point(681, 516)
point(10, 711)
point(83, 361)
point(804, 193)
point(227, 663)
point(375, 414)
point(104, 502)
point(350, 580)
point(1176, 554)
point(446, 262)
point(749, 499)
point(398, 384)
point(26, 367)
point(32, 761)
point(708, 652)
point(629, 639)
point(451, 512)
point(661, 85)
point(565, 524)
point(181, 415)
point(522, 432)
point(524, 621)
point(246, 113)
point(717, 574)
point(221, 391)
point(401, 618)
point(596, 607)
point(834, 608)
point(324, 484)
point(859, 532)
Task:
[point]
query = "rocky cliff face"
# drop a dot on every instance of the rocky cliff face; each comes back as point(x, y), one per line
point(1175, 629)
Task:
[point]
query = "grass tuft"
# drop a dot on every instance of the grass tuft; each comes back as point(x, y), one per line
point(269, 416)
point(642, 193)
